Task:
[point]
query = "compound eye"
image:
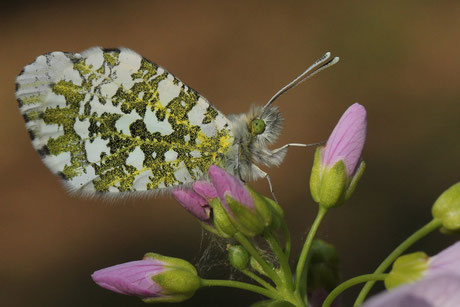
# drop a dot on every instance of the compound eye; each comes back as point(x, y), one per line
point(257, 126)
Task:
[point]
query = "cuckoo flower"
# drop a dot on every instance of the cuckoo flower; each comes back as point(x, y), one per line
point(437, 291)
point(337, 168)
point(418, 266)
point(156, 278)
point(248, 211)
point(193, 203)
point(423, 281)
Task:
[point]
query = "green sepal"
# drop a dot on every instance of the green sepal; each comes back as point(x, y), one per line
point(355, 179)
point(238, 257)
point(262, 205)
point(178, 285)
point(246, 220)
point(447, 209)
point(333, 184)
point(406, 269)
point(277, 213)
point(315, 177)
point(172, 262)
point(272, 303)
point(222, 223)
point(255, 265)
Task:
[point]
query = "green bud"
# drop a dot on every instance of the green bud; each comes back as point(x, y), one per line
point(323, 267)
point(272, 303)
point(238, 257)
point(333, 184)
point(407, 269)
point(246, 220)
point(221, 220)
point(447, 209)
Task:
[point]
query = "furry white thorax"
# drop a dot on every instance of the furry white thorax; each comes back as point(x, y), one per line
point(248, 149)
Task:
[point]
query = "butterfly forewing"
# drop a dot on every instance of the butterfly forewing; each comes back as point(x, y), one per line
point(112, 121)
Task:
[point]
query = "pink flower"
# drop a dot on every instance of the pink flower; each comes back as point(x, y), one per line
point(227, 185)
point(438, 291)
point(193, 203)
point(156, 278)
point(337, 167)
point(435, 283)
point(347, 139)
point(131, 278)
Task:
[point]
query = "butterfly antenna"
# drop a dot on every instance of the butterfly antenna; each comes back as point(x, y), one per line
point(322, 63)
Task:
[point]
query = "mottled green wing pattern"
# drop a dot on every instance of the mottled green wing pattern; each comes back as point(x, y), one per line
point(111, 121)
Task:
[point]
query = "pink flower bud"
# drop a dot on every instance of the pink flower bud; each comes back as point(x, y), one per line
point(131, 278)
point(156, 278)
point(205, 189)
point(335, 173)
point(347, 139)
point(228, 185)
point(193, 203)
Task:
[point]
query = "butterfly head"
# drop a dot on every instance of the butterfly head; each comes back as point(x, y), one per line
point(265, 124)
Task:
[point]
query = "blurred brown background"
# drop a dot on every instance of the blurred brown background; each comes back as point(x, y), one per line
point(400, 59)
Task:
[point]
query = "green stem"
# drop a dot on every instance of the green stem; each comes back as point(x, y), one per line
point(349, 283)
point(306, 247)
point(422, 232)
point(258, 279)
point(282, 257)
point(239, 285)
point(254, 253)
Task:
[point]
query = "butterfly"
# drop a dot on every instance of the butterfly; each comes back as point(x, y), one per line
point(109, 120)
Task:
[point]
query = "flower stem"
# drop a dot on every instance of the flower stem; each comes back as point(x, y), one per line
point(306, 247)
point(422, 232)
point(254, 253)
point(239, 285)
point(282, 257)
point(349, 283)
point(258, 279)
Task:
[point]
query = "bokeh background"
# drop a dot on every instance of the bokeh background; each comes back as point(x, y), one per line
point(400, 59)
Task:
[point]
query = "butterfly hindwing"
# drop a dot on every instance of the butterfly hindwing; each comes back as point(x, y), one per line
point(112, 121)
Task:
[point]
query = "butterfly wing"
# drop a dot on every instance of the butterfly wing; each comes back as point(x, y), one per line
point(108, 120)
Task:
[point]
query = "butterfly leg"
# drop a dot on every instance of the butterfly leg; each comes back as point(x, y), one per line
point(284, 147)
point(266, 176)
point(237, 162)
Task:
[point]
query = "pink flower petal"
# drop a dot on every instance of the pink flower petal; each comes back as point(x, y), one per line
point(226, 184)
point(205, 189)
point(193, 203)
point(131, 278)
point(442, 290)
point(347, 139)
point(446, 262)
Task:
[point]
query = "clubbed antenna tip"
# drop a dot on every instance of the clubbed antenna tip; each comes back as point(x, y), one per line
point(322, 63)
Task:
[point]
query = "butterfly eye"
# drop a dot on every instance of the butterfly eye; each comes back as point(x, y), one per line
point(257, 126)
